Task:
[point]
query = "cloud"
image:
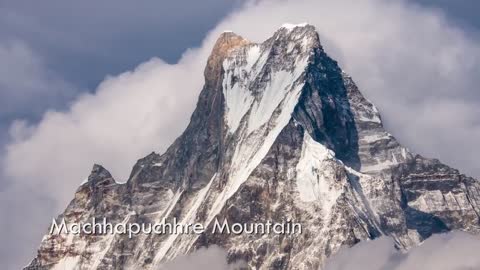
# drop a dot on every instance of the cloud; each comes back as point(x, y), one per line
point(212, 258)
point(25, 79)
point(129, 116)
point(420, 71)
point(452, 251)
point(24, 212)
point(85, 40)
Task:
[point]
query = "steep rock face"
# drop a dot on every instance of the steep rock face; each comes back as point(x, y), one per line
point(280, 132)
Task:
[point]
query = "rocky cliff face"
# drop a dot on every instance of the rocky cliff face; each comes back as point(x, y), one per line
point(280, 132)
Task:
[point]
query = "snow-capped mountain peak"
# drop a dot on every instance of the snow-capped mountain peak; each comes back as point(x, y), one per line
point(279, 133)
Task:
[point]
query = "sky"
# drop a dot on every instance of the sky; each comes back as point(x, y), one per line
point(452, 251)
point(89, 81)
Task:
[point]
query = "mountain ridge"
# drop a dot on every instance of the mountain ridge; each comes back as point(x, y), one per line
point(279, 131)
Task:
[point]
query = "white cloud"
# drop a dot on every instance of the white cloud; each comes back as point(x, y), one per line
point(27, 88)
point(452, 251)
point(421, 71)
point(129, 116)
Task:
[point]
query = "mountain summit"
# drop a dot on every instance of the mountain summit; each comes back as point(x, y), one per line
point(279, 133)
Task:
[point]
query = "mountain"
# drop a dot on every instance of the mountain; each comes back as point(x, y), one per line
point(279, 133)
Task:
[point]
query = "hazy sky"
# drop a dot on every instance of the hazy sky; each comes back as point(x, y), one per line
point(55, 53)
point(79, 43)
point(83, 41)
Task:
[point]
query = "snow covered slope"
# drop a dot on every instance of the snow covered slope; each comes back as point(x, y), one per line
point(280, 132)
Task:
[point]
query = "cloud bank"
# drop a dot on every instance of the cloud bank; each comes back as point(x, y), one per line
point(128, 116)
point(420, 71)
point(452, 251)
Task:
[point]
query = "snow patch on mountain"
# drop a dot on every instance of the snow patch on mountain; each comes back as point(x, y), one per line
point(238, 97)
point(67, 263)
point(252, 148)
point(290, 26)
point(275, 92)
point(314, 180)
point(267, 113)
point(188, 219)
